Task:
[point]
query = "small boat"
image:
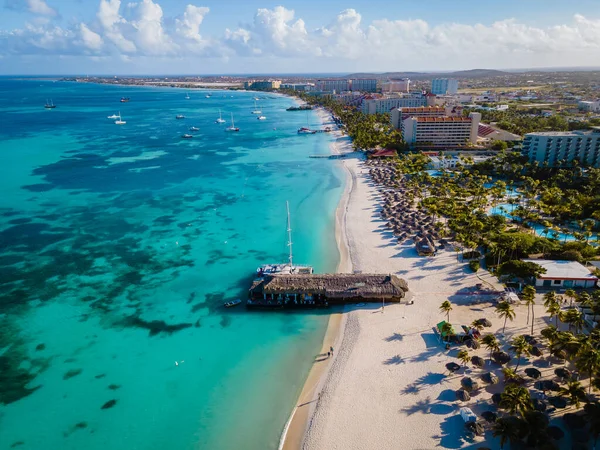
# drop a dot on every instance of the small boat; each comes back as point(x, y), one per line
point(187, 136)
point(180, 116)
point(49, 105)
point(113, 117)
point(306, 130)
point(120, 121)
point(232, 127)
point(256, 98)
point(256, 109)
point(261, 118)
point(207, 96)
point(187, 96)
point(124, 99)
point(220, 119)
point(232, 303)
point(194, 129)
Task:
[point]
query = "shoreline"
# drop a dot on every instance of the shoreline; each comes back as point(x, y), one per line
point(295, 429)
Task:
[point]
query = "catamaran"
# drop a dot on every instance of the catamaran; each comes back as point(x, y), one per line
point(187, 96)
point(119, 121)
point(289, 267)
point(194, 129)
point(180, 116)
point(306, 129)
point(232, 127)
point(220, 119)
point(256, 109)
point(49, 105)
point(261, 118)
point(187, 136)
point(113, 117)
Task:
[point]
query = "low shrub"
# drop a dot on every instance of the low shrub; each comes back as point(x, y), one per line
point(474, 265)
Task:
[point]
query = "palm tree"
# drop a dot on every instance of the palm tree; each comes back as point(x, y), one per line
point(519, 346)
point(549, 298)
point(570, 293)
point(573, 317)
point(491, 343)
point(464, 357)
point(506, 311)
point(528, 295)
point(508, 429)
point(445, 308)
point(477, 325)
point(589, 362)
point(554, 310)
point(516, 399)
point(574, 391)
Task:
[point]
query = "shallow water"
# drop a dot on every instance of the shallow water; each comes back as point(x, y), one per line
point(120, 245)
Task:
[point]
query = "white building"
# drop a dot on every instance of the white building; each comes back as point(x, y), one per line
point(589, 106)
point(565, 274)
point(298, 86)
point(396, 86)
point(399, 114)
point(443, 86)
point(440, 132)
point(363, 85)
point(387, 104)
point(559, 147)
point(333, 85)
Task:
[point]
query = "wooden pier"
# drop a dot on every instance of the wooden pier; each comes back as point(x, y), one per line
point(321, 291)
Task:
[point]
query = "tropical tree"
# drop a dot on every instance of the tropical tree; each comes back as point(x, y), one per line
point(571, 295)
point(574, 391)
point(528, 296)
point(519, 346)
point(549, 298)
point(464, 357)
point(505, 311)
point(516, 399)
point(509, 429)
point(589, 362)
point(445, 308)
point(554, 310)
point(491, 343)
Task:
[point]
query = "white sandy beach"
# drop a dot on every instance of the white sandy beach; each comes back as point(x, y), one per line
point(387, 386)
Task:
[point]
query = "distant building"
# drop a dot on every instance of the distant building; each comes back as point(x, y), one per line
point(305, 87)
point(440, 132)
point(491, 133)
point(443, 86)
point(333, 85)
point(589, 106)
point(363, 85)
point(262, 85)
point(387, 104)
point(565, 274)
point(555, 148)
point(399, 114)
point(396, 86)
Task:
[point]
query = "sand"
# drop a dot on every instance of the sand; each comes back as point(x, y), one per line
point(387, 386)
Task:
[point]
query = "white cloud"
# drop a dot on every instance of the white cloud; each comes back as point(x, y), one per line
point(90, 39)
point(189, 25)
point(111, 21)
point(40, 7)
point(151, 37)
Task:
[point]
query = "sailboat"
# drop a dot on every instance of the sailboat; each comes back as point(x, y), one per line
point(220, 119)
point(187, 96)
point(49, 105)
point(262, 118)
point(306, 129)
point(232, 127)
point(113, 117)
point(119, 121)
point(256, 109)
point(289, 267)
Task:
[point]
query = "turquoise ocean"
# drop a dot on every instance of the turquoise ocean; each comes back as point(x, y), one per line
point(119, 246)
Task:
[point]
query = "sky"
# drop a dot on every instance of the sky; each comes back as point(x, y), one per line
point(144, 37)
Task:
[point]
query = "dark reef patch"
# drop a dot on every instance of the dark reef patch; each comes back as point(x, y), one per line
point(225, 321)
point(17, 444)
point(109, 404)
point(72, 373)
point(40, 187)
point(102, 375)
point(114, 387)
point(40, 347)
point(19, 221)
point(154, 326)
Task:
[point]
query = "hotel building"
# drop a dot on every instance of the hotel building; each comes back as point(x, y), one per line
point(363, 85)
point(444, 86)
point(385, 105)
point(396, 86)
point(555, 148)
point(333, 85)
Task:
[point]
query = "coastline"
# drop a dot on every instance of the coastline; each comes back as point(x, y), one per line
point(294, 432)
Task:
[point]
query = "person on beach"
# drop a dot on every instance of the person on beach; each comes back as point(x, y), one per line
point(331, 349)
point(328, 354)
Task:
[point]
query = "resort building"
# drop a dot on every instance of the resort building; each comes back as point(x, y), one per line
point(363, 85)
point(402, 85)
point(566, 274)
point(399, 114)
point(556, 148)
point(305, 291)
point(440, 132)
point(262, 85)
point(333, 85)
point(587, 106)
point(306, 87)
point(443, 86)
point(488, 133)
point(387, 104)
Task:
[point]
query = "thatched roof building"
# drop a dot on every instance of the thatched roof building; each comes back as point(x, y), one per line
point(329, 288)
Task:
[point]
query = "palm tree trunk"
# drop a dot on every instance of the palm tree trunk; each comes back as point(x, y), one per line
point(518, 362)
point(528, 314)
point(504, 327)
point(532, 319)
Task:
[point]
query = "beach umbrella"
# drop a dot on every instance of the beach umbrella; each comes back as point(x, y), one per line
point(555, 433)
point(478, 361)
point(562, 373)
point(496, 398)
point(463, 395)
point(546, 385)
point(539, 405)
point(452, 367)
point(501, 357)
point(530, 339)
point(574, 420)
point(475, 428)
point(484, 322)
point(472, 343)
point(532, 372)
point(469, 384)
point(535, 351)
point(558, 402)
point(490, 378)
point(489, 416)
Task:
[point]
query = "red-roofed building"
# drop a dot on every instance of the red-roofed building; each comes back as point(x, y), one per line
point(385, 153)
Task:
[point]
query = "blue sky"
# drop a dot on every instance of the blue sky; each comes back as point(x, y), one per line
point(183, 36)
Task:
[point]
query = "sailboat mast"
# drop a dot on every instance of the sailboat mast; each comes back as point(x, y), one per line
point(232, 124)
point(289, 230)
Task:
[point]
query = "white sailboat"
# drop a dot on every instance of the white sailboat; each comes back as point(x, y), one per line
point(289, 267)
point(306, 129)
point(187, 96)
point(232, 127)
point(120, 121)
point(262, 118)
point(220, 119)
point(256, 109)
point(113, 117)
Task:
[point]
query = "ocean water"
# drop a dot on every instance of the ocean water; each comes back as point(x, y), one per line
point(119, 245)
